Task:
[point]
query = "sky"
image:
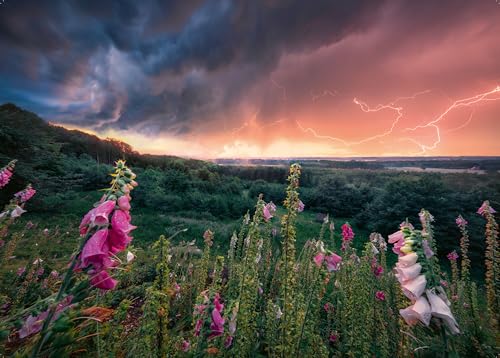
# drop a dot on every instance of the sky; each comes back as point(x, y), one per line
point(261, 78)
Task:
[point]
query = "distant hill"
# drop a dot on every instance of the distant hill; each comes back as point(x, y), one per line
point(24, 135)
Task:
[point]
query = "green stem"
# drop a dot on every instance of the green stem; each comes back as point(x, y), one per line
point(62, 290)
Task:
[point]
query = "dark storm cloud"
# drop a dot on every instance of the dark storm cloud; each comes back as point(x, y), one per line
point(162, 65)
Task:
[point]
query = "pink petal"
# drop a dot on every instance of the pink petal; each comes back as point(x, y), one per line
point(101, 213)
point(96, 249)
point(124, 203)
point(413, 289)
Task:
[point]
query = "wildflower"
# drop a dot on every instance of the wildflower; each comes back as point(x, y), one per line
point(26, 194)
point(124, 203)
point(378, 271)
point(398, 240)
point(460, 221)
point(414, 288)
point(380, 295)
point(333, 337)
point(427, 249)
point(268, 211)
point(419, 311)
point(319, 258)
point(45, 232)
point(452, 256)
point(29, 225)
point(17, 212)
point(485, 208)
point(130, 257)
point(407, 273)
point(6, 173)
point(185, 346)
point(217, 325)
point(347, 236)
point(300, 206)
point(33, 324)
point(440, 309)
point(54, 274)
point(333, 262)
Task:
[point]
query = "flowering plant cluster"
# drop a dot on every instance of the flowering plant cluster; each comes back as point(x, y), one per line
point(267, 297)
point(6, 173)
point(419, 283)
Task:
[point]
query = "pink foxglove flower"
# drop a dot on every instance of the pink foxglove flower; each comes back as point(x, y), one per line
point(408, 260)
point(300, 207)
point(96, 251)
point(124, 203)
point(419, 311)
point(6, 174)
point(427, 249)
point(333, 262)
point(347, 236)
point(407, 273)
point(413, 289)
point(17, 212)
point(441, 310)
point(100, 215)
point(268, 211)
point(485, 208)
point(319, 258)
point(33, 324)
point(26, 194)
point(460, 221)
point(452, 256)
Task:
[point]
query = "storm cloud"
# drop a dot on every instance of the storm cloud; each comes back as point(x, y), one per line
point(192, 67)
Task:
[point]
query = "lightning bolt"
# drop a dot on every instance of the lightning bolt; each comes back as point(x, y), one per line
point(365, 108)
point(465, 102)
point(315, 97)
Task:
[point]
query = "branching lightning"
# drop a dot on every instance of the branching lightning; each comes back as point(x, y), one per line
point(465, 102)
point(399, 111)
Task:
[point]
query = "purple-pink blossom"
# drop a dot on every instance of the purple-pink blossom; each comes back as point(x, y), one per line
point(380, 295)
point(300, 206)
point(26, 194)
point(268, 211)
point(460, 221)
point(452, 256)
point(347, 236)
point(427, 249)
point(485, 208)
point(5, 176)
point(333, 262)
